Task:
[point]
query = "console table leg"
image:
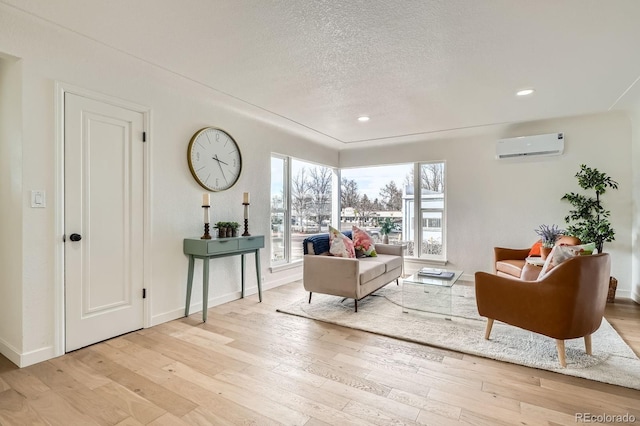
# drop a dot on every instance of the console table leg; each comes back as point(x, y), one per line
point(242, 261)
point(258, 272)
point(205, 288)
point(189, 286)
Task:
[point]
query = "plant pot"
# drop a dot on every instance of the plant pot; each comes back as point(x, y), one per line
point(222, 232)
point(234, 232)
point(613, 285)
point(385, 239)
point(545, 251)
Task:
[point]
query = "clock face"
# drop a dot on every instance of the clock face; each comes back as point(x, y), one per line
point(214, 159)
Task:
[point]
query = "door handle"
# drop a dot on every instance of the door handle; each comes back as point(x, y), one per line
point(75, 237)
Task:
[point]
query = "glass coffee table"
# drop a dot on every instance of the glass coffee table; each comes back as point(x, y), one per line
point(429, 293)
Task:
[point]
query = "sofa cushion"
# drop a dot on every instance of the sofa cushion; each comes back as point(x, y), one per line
point(510, 267)
point(363, 242)
point(340, 245)
point(389, 261)
point(318, 243)
point(370, 270)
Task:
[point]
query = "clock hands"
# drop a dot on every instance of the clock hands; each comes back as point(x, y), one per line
point(215, 157)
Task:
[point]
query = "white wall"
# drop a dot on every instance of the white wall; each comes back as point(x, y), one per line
point(179, 107)
point(500, 202)
point(635, 236)
point(10, 206)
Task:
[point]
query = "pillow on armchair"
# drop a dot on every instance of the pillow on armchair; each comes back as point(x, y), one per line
point(561, 253)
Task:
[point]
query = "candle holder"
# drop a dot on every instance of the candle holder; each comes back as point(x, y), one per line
point(206, 235)
point(246, 220)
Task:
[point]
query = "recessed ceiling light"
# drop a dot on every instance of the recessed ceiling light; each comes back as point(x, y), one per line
point(524, 92)
point(363, 118)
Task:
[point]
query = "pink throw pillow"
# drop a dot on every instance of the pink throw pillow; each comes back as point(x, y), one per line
point(362, 241)
point(339, 244)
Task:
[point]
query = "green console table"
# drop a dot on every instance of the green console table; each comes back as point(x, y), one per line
point(206, 250)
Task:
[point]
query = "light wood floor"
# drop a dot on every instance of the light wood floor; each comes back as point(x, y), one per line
point(252, 365)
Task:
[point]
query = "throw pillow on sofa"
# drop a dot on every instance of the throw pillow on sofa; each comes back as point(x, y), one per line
point(363, 242)
point(562, 252)
point(339, 244)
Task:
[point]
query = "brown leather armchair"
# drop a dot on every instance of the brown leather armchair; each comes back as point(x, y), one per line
point(567, 303)
point(511, 262)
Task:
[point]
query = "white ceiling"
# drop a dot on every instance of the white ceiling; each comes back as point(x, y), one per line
point(414, 67)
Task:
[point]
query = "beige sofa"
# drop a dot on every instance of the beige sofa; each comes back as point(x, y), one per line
point(349, 278)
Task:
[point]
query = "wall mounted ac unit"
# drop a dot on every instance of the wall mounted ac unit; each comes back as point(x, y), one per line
point(549, 144)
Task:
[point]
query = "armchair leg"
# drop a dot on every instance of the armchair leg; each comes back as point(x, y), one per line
point(561, 355)
point(397, 281)
point(587, 344)
point(488, 329)
point(356, 303)
point(310, 293)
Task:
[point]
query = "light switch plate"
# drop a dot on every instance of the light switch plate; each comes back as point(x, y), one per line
point(38, 199)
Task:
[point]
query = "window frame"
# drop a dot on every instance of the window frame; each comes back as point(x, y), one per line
point(418, 210)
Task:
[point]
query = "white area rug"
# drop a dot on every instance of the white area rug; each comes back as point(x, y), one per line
point(612, 361)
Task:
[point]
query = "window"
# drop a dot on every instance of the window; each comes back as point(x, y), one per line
point(369, 195)
point(301, 204)
point(432, 237)
point(278, 209)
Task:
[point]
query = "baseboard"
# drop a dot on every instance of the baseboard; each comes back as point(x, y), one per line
point(288, 279)
point(197, 307)
point(37, 356)
point(10, 352)
point(28, 358)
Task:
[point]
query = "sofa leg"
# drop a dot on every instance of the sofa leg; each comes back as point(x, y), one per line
point(561, 355)
point(587, 345)
point(397, 281)
point(356, 303)
point(310, 293)
point(487, 331)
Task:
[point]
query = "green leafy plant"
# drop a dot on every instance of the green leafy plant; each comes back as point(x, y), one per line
point(549, 234)
point(588, 220)
point(386, 226)
point(233, 225)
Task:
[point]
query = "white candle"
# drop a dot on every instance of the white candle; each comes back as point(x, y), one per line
point(245, 198)
point(205, 200)
point(206, 215)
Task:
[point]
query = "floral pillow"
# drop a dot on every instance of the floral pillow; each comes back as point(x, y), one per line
point(339, 244)
point(561, 253)
point(363, 242)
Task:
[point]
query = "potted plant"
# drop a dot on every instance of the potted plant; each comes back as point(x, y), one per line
point(222, 229)
point(548, 236)
point(588, 219)
point(385, 228)
point(591, 220)
point(234, 228)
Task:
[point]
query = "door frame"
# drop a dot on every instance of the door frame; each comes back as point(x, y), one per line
point(59, 272)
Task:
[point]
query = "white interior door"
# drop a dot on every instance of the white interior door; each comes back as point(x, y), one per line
point(103, 186)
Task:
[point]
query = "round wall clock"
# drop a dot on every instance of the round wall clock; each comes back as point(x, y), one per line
point(214, 159)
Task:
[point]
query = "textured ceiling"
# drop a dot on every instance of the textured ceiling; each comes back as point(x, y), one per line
point(415, 67)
